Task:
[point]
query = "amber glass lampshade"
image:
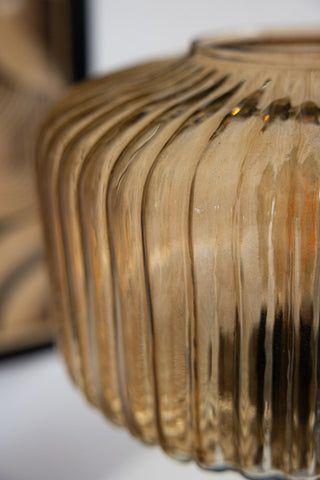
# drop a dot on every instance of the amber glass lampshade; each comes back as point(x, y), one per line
point(180, 201)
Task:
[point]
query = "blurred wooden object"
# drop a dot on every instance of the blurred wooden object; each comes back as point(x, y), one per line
point(35, 67)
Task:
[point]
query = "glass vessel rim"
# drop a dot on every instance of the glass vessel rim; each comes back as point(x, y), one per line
point(282, 48)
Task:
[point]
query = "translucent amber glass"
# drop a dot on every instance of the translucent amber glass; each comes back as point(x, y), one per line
point(180, 201)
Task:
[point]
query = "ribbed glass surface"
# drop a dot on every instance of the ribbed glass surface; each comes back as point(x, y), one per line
point(181, 208)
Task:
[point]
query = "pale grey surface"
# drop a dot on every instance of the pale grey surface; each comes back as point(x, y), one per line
point(126, 31)
point(48, 432)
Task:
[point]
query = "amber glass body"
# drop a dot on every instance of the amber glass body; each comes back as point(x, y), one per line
point(180, 201)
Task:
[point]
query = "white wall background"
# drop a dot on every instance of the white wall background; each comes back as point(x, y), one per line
point(126, 31)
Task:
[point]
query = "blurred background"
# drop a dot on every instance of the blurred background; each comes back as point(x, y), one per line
point(123, 32)
point(48, 431)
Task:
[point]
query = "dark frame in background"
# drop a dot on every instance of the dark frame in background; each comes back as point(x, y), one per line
point(62, 27)
point(79, 39)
